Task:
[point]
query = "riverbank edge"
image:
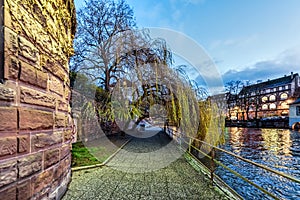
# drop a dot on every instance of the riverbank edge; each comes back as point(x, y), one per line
point(221, 186)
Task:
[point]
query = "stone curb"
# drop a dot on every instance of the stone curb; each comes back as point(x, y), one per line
point(101, 164)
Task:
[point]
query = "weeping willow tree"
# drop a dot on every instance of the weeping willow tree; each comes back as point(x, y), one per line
point(131, 70)
point(212, 123)
point(196, 115)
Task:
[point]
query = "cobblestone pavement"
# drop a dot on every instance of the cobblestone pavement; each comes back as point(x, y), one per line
point(146, 168)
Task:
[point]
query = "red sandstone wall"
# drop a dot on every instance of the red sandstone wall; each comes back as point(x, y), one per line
point(35, 120)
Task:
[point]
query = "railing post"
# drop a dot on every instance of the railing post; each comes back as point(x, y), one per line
point(190, 144)
point(212, 165)
point(180, 138)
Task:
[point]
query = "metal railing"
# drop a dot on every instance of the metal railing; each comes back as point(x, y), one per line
point(213, 161)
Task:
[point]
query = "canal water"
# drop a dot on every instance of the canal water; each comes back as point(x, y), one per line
point(276, 148)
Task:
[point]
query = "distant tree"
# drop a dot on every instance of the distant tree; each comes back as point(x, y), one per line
point(232, 88)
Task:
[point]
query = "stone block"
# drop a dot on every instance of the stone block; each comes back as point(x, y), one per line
point(51, 157)
point(64, 185)
point(57, 172)
point(62, 105)
point(58, 71)
point(35, 119)
point(28, 73)
point(33, 76)
point(67, 94)
point(30, 164)
point(7, 19)
point(56, 85)
point(9, 193)
point(68, 135)
point(53, 192)
point(24, 190)
point(66, 164)
point(65, 151)
point(60, 120)
point(42, 79)
point(23, 144)
point(11, 67)
point(28, 50)
point(8, 146)
point(35, 97)
point(43, 140)
point(8, 172)
point(10, 42)
point(41, 183)
point(37, 9)
point(9, 119)
point(6, 93)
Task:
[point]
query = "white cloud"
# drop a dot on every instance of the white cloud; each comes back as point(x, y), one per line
point(286, 62)
point(234, 42)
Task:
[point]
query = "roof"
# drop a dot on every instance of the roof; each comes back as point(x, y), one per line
point(269, 84)
point(221, 95)
point(297, 101)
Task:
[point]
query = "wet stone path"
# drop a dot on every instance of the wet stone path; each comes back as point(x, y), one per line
point(150, 166)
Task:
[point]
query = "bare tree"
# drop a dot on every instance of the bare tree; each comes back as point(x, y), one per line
point(233, 88)
point(100, 22)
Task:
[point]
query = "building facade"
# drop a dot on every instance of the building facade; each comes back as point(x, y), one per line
point(264, 100)
point(294, 116)
point(36, 126)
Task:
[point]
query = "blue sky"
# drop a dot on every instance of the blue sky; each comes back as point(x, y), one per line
point(247, 39)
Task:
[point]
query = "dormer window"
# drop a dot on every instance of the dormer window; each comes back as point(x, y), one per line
point(265, 107)
point(273, 106)
point(272, 98)
point(283, 96)
point(264, 99)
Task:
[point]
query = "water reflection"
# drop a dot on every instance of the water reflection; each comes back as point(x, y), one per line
point(276, 148)
point(277, 141)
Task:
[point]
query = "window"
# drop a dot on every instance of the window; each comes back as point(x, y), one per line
point(273, 106)
point(265, 107)
point(298, 110)
point(280, 88)
point(264, 99)
point(283, 96)
point(286, 87)
point(1, 41)
point(272, 98)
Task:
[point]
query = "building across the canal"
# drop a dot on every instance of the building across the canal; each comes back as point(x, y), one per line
point(294, 117)
point(264, 101)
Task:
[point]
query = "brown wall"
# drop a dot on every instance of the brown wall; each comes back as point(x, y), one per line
point(35, 120)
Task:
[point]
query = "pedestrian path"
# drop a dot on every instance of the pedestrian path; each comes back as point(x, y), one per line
point(146, 168)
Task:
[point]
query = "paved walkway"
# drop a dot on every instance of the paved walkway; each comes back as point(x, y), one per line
point(146, 168)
